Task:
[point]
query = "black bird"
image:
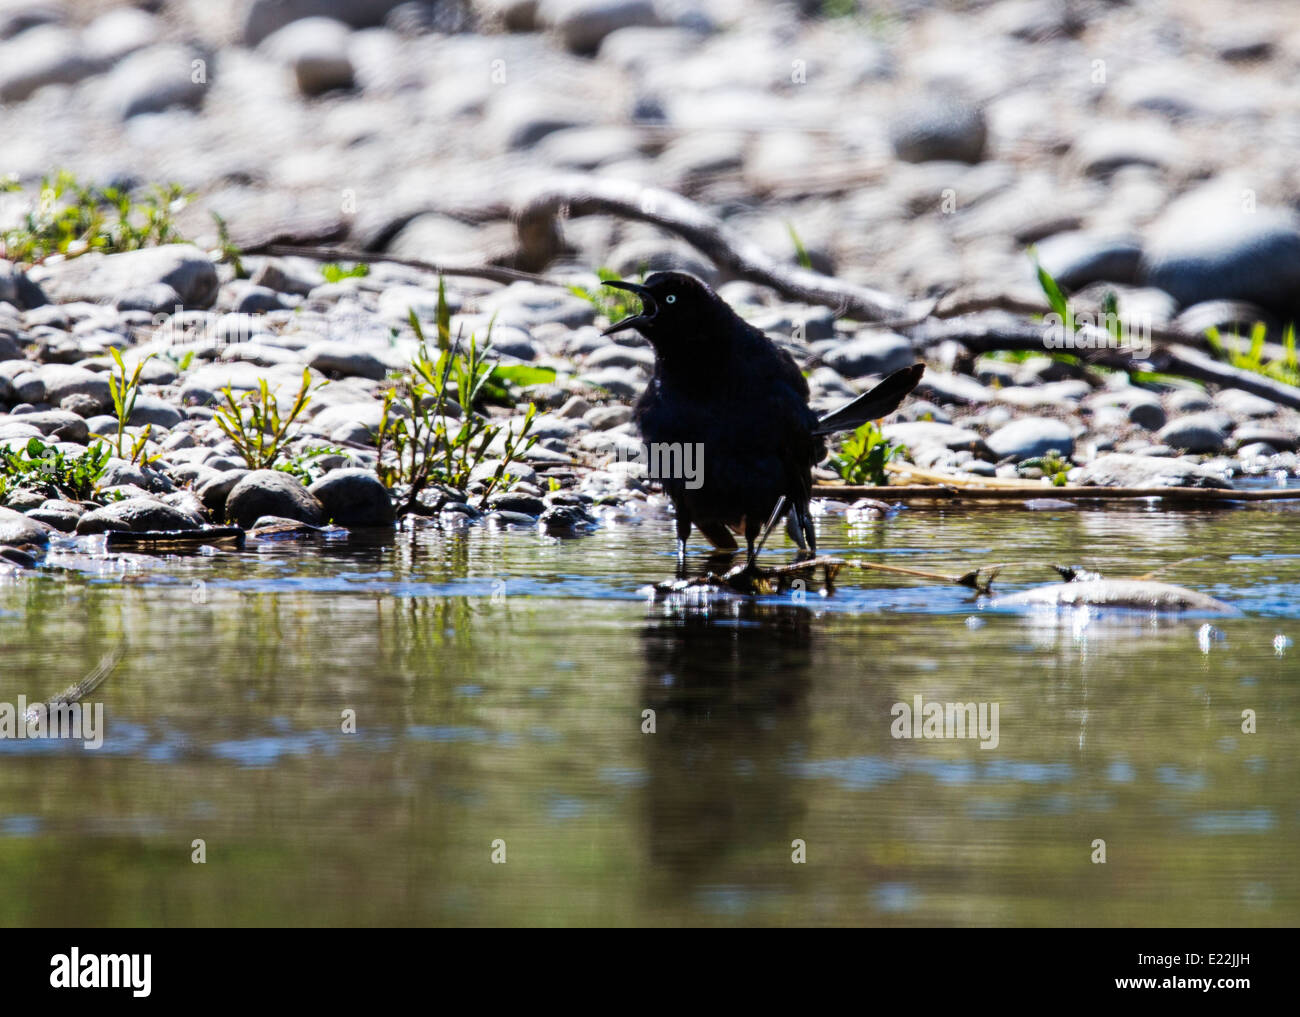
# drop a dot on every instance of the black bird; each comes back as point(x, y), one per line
point(723, 387)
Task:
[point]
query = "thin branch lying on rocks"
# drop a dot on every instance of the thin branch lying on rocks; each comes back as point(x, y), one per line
point(492, 273)
point(1173, 358)
point(537, 224)
point(963, 301)
point(1190, 363)
point(914, 474)
point(971, 492)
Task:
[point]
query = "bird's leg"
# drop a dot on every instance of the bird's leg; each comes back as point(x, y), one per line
point(762, 537)
point(683, 531)
point(800, 527)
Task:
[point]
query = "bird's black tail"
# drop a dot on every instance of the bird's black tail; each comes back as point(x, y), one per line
point(880, 401)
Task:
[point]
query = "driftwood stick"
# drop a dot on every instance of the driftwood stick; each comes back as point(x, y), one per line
point(1190, 363)
point(811, 564)
point(1180, 495)
point(538, 214)
point(749, 581)
point(988, 336)
point(537, 224)
point(78, 691)
point(915, 474)
point(493, 273)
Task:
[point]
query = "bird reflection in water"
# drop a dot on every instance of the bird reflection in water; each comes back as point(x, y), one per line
point(728, 680)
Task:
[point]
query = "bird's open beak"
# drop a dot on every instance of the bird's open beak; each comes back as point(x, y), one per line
point(648, 307)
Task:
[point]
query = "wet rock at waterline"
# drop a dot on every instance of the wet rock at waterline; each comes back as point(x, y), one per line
point(272, 493)
point(354, 498)
point(17, 529)
point(135, 515)
point(1120, 594)
point(566, 520)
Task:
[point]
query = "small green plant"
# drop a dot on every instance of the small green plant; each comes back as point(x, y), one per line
point(1053, 466)
point(839, 8)
point(306, 466)
point(254, 424)
point(1055, 298)
point(125, 391)
point(800, 252)
point(334, 272)
point(44, 467)
point(863, 455)
point(71, 218)
point(418, 443)
point(614, 304)
point(182, 362)
point(1284, 368)
point(230, 254)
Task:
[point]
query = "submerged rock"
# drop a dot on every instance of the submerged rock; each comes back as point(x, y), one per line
point(566, 520)
point(174, 541)
point(1119, 594)
point(15, 558)
point(277, 528)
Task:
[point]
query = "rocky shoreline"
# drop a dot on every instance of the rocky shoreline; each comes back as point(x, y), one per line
point(995, 418)
point(1111, 171)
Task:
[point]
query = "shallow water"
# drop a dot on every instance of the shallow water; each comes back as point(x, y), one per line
point(499, 683)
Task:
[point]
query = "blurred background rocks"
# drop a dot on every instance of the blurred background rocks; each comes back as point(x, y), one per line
point(909, 145)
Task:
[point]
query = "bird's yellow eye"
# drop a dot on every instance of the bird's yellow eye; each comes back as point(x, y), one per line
point(670, 299)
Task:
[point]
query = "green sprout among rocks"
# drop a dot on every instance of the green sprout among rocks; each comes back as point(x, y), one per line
point(863, 456)
point(44, 467)
point(613, 304)
point(71, 218)
point(420, 440)
point(1052, 465)
point(255, 425)
point(125, 391)
point(306, 465)
point(333, 272)
point(1285, 368)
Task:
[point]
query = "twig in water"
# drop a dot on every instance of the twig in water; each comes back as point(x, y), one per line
point(77, 692)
